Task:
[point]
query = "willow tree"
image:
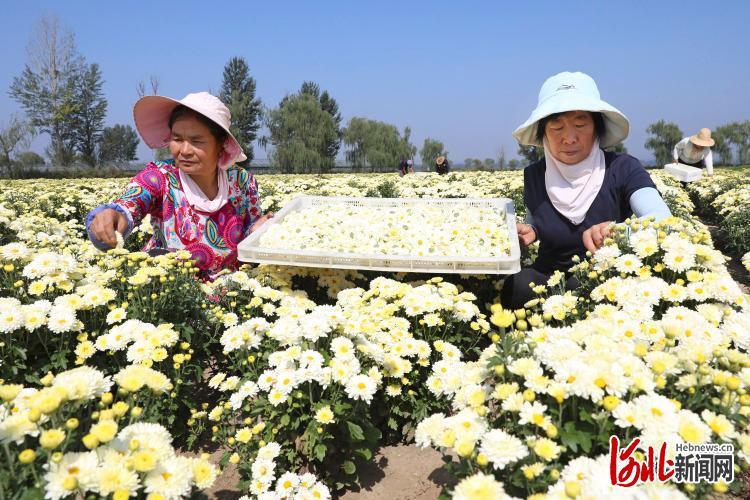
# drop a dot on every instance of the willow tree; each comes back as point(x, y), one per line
point(300, 131)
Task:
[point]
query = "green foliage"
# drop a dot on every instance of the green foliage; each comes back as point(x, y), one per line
point(477, 164)
point(238, 93)
point(737, 228)
point(386, 189)
point(663, 137)
point(733, 138)
point(431, 149)
point(29, 159)
point(301, 132)
point(330, 106)
point(89, 114)
point(472, 164)
point(118, 144)
point(530, 154)
point(17, 134)
point(723, 144)
point(376, 144)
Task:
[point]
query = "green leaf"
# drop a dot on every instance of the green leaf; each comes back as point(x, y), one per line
point(349, 467)
point(32, 494)
point(573, 438)
point(365, 453)
point(355, 431)
point(372, 434)
point(320, 452)
point(284, 420)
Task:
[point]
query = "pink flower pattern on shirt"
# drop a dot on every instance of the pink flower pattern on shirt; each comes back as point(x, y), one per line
point(211, 238)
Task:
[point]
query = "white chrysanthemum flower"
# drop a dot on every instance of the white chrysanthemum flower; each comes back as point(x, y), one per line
point(62, 319)
point(263, 469)
point(229, 384)
point(215, 381)
point(342, 348)
point(14, 428)
point(35, 315)
point(152, 437)
point(628, 264)
point(502, 448)
point(83, 383)
point(11, 317)
point(361, 387)
point(247, 390)
point(80, 466)
point(286, 484)
point(604, 258)
point(14, 251)
point(428, 429)
point(534, 413)
point(269, 451)
point(171, 478)
point(480, 486)
point(644, 242)
point(116, 315)
point(720, 425)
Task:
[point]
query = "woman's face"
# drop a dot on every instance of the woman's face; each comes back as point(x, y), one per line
point(193, 148)
point(570, 136)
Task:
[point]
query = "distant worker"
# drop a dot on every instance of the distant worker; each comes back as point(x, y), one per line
point(442, 166)
point(695, 151)
point(406, 167)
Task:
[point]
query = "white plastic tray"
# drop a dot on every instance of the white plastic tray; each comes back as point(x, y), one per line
point(684, 173)
point(249, 249)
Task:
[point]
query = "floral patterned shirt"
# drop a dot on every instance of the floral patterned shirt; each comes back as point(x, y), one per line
point(211, 238)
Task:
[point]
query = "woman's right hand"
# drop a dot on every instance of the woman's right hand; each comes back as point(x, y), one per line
point(526, 234)
point(105, 224)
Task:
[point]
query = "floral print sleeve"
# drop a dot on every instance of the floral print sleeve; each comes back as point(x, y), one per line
point(157, 196)
point(248, 186)
point(144, 193)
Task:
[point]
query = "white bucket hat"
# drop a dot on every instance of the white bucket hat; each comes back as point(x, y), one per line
point(571, 92)
point(151, 114)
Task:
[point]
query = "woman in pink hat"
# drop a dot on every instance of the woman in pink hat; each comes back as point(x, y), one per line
point(199, 201)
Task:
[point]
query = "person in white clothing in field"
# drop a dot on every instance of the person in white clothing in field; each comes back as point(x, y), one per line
point(695, 151)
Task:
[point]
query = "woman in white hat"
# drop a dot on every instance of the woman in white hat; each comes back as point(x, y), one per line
point(577, 190)
point(695, 151)
point(199, 201)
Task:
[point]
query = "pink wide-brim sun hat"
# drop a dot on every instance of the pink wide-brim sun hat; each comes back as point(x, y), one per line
point(151, 115)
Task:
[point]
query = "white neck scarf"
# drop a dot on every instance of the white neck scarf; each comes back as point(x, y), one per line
point(198, 199)
point(572, 188)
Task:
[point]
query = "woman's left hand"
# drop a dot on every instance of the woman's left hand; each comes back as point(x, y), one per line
point(593, 237)
point(260, 221)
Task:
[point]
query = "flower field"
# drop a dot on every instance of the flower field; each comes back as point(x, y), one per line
point(120, 369)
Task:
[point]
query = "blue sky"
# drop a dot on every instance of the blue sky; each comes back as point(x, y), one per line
point(467, 73)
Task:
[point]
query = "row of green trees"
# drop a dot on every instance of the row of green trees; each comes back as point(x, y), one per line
point(61, 95)
point(732, 142)
point(306, 134)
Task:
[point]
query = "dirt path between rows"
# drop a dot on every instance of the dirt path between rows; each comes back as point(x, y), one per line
point(400, 472)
